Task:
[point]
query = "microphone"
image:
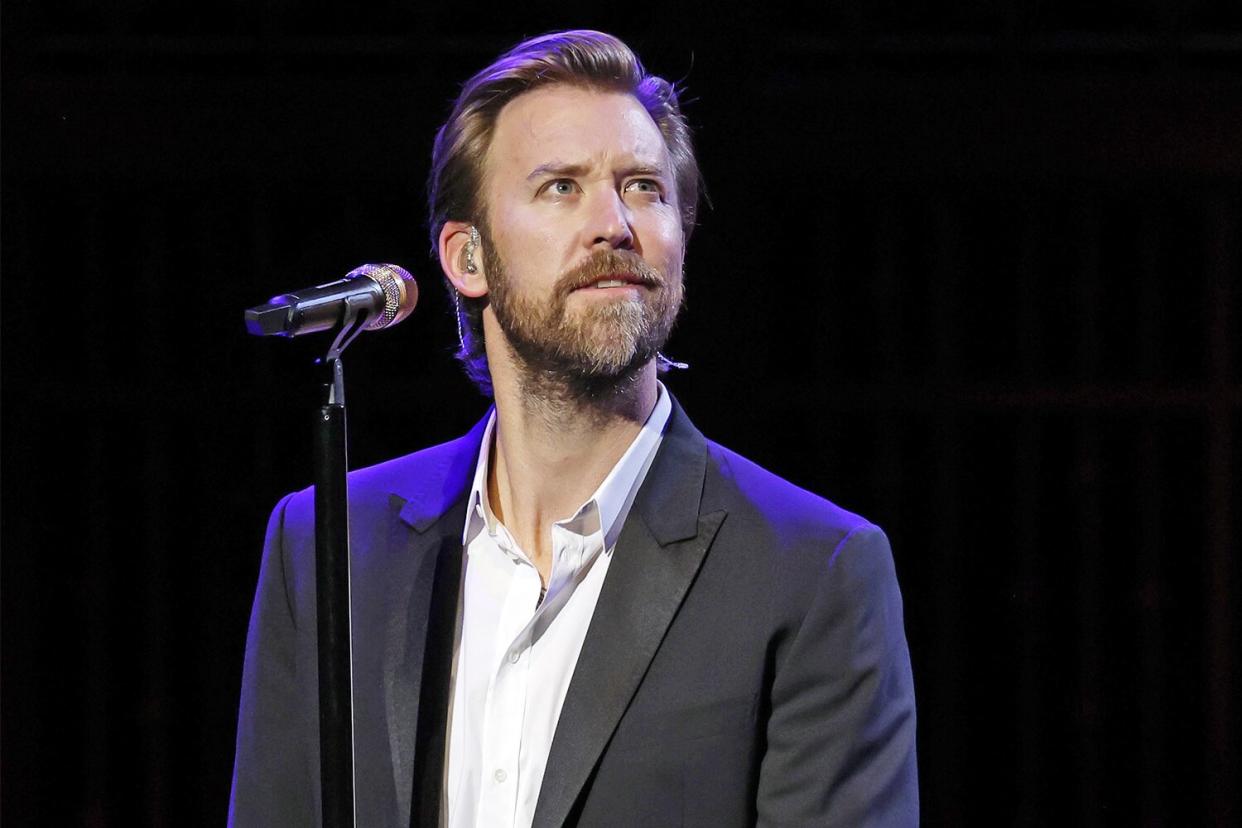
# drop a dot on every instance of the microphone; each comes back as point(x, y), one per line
point(385, 292)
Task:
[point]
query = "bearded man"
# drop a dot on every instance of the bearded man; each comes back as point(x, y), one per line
point(582, 612)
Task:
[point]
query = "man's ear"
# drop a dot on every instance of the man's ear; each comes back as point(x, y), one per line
point(454, 236)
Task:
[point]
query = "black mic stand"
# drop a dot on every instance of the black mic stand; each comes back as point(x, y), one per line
point(336, 703)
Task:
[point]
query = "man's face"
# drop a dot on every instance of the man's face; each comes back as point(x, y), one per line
point(583, 244)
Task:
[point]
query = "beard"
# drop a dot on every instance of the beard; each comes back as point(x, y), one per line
point(593, 349)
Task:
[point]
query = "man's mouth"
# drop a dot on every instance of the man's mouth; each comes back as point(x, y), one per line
point(616, 280)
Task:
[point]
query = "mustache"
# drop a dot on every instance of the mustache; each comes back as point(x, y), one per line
point(610, 264)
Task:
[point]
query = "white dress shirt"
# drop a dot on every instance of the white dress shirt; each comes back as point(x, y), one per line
point(515, 654)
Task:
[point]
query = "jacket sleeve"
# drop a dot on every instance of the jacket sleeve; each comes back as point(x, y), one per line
point(841, 734)
point(274, 778)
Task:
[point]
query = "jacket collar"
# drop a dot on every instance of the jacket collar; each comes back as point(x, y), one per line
point(668, 500)
point(670, 496)
point(443, 481)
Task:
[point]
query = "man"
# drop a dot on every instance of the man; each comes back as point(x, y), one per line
point(582, 612)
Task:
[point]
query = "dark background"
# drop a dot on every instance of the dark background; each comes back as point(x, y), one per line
point(971, 270)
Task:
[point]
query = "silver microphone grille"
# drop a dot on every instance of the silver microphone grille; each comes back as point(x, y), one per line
point(400, 292)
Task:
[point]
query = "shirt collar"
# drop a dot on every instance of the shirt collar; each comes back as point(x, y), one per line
point(478, 511)
point(613, 498)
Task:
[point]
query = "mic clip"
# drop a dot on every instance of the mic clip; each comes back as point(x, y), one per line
point(357, 314)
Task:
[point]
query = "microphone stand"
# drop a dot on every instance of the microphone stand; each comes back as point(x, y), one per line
point(331, 462)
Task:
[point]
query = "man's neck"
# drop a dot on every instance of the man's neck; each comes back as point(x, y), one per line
point(552, 451)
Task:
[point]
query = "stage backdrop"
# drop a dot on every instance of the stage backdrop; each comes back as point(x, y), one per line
point(973, 274)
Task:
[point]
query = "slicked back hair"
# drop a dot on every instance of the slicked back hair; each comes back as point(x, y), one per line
point(584, 58)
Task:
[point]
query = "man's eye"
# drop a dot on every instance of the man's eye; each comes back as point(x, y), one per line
point(643, 185)
point(561, 187)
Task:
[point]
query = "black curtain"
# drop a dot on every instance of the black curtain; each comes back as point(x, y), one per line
point(972, 272)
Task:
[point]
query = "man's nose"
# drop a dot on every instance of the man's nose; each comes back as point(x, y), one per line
point(609, 222)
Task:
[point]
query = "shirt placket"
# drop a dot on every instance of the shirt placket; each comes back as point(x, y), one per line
point(504, 725)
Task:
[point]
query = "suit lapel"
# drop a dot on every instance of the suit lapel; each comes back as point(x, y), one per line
point(431, 507)
point(410, 641)
point(658, 554)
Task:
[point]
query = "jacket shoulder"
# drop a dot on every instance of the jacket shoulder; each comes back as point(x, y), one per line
point(787, 516)
point(430, 477)
point(732, 477)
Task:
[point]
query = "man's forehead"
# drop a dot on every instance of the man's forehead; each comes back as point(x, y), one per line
point(573, 126)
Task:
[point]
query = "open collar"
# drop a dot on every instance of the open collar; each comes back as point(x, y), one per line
point(663, 543)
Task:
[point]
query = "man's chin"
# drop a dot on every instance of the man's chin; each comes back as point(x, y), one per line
point(600, 355)
point(592, 371)
point(606, 366)
point(619, 347)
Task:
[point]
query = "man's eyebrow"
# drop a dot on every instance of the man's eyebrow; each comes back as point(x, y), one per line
point(653, 170)
point(557, 168)
point(560, 168)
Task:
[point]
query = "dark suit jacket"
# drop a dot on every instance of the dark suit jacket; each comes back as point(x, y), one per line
point(746, 662)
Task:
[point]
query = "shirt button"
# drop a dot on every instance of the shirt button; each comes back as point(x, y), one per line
point(514, 656)
point(500, 775)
